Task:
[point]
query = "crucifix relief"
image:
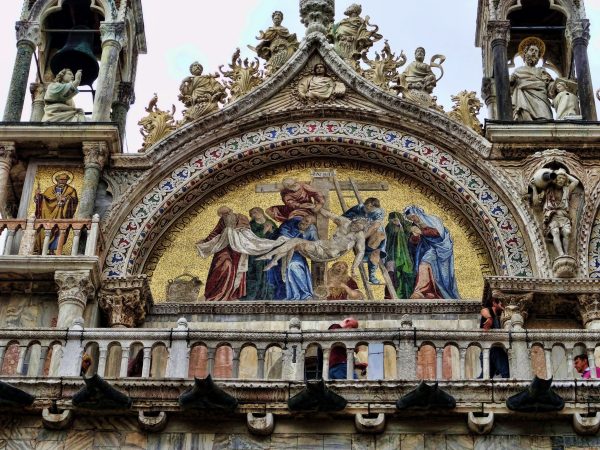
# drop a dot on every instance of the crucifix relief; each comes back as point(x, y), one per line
point(303, 198)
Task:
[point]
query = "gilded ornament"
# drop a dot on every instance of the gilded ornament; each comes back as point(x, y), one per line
point(384, 68)
point(201, 94)
point(354, 36)
point(277, 44)
point(243, 76)
point(417, 82)
point(465, 110)
point(157, 125)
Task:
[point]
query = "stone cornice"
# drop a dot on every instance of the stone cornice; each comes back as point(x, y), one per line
point(541, 285)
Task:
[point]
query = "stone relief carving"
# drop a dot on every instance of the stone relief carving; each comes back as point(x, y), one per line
point(277, 44)
point(183, 289)
point(319, 87)
point(465, 110)
point(353, 36)
point(417, 82)
point(384, 68)
point(243, 76)
point(201, 94)
point(125, 301)
point(157, 125)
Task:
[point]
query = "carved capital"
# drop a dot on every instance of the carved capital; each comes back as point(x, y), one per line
point(589, 307)
point(28, 32)
point(124, 93)
point(74, 286)
point(516, 306)
point(498, 31)
point(95, 154)
point(8, 153)
point(113, 33)
point(37, 91)
point(578, 30)
point(126, 301)
point(317, 15)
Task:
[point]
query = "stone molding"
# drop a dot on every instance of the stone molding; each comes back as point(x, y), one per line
point(95, 154)
point(317, 15)
point(74, 286)
point(29, 33)
point(125, 301)
point(113, 33)
point(589, 307)
point(541, 285)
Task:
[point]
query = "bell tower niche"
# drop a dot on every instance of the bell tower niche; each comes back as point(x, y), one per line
point(535, 50)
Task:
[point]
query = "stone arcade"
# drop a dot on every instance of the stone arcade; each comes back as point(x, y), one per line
point(137, 309)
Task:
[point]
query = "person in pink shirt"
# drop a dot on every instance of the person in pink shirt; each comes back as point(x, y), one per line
point(581, 364)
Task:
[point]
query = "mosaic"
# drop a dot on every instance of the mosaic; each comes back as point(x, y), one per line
point(502, 232)
point(177, 251)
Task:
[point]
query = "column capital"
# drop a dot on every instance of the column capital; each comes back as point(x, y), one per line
point(124, 93)
point(74, 286)
point(28, 32)
point(8, 153)
point(126, 301)
point(578, 30)
point(516, 306)
point(95, 154)
point(113, 33)
point(589, 308)
point(37, 91)
point(317, 15)
point(498, 31)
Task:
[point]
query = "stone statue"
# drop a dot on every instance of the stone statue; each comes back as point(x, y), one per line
point(277, 44)
point(417, 81)
point(465, 110)
point(384, 68)
point(565, 100)
point(530, 84)
point(319, 86)
point(59, 104)
point(352, 37)
point(243, 77)
point(552, 189)
point(201, 94)
point(156, 125)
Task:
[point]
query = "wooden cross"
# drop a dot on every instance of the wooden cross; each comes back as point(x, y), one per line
point(326, 182)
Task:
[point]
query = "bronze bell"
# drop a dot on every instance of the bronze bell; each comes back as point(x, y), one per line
point(77, 55)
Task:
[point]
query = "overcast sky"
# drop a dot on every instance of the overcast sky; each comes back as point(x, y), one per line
point(179, 32)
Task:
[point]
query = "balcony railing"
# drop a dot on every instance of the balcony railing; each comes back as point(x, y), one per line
point(404, 354)
point(46, 237)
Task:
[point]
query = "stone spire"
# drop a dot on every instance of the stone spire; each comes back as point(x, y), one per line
point(317, 15)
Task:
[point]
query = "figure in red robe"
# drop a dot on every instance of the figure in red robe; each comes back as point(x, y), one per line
point(225, 281)
point(300, 199)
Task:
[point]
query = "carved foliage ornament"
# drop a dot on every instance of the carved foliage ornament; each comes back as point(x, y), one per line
point(384, 68)
point(125, 301)
point(113, 32)
point(7, 153)
point(465, 110)
point(243, 76)
point(589, 307)
point(95, 154)
point(157, 125)
point(29, 31)
point(73, 286)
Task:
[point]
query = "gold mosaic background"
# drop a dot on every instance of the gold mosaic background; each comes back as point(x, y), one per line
point(43, 178)
point(176, 253)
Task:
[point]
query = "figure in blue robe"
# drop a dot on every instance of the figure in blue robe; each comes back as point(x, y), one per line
point(298, 279)
point(432, 249)
point(375, 235)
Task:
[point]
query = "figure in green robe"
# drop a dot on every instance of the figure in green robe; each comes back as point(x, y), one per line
point(399, 263)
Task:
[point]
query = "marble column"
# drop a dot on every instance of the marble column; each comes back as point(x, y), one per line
point(74, 288)
point(317, 15)
point(28, 36)
point(579, 32)
point(499, 35)
point(95, 155)
point(113, 39)
point(7, 158)
point(124, 98)
point(37, 90)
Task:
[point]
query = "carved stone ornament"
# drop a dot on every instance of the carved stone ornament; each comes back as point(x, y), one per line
point(243, 77)
point(124, 93)
point(578, 30)
point(277, 44)
point(74, 286)
point(589, 307)
point(318, 87)
point(417, 82)
point(384, 68)
point(157, 125)
point(126, 301)
point(317, 15)
point(515, 305)
point(498, 30)
point(183, 289)
point(95, 154)
point(7, 153)
point(465, 110)
point(201, 94)
point(29, 32)
point(37, 91)
point(113, 32)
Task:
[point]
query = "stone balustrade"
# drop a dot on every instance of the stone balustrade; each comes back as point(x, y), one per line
point(45, 237)
point(404, 354)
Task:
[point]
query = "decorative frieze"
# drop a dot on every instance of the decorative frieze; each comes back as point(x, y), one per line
point(126, 301)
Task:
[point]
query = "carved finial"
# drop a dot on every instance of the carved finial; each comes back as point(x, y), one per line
point(317, 15)
point(465, 110)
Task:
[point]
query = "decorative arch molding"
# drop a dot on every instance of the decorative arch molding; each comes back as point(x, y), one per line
point(566, 7)
point(42, 8)
point(168, 197)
